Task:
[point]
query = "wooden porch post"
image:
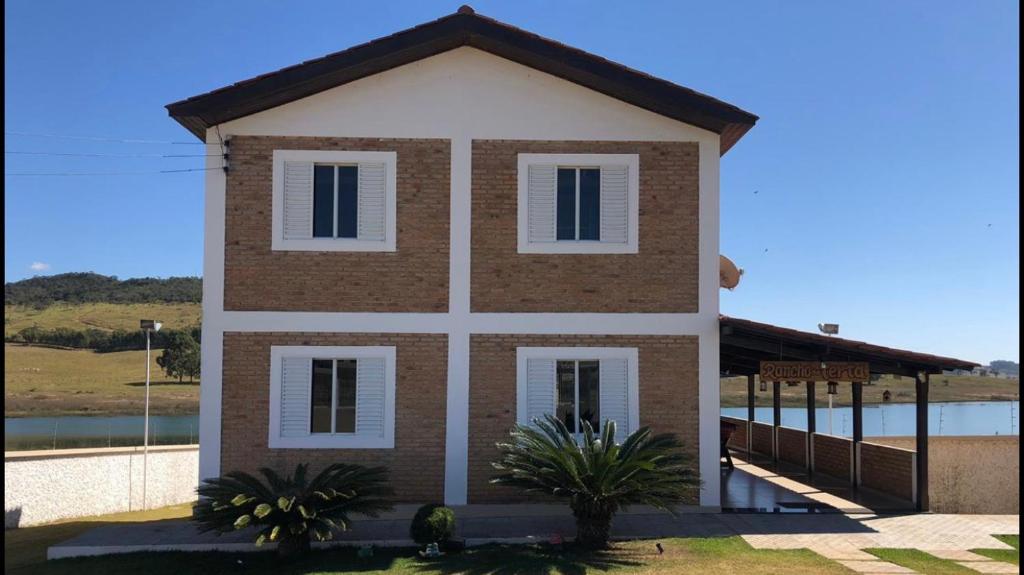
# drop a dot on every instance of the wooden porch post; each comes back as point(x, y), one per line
point(750, 414)
point(776, 417)
point(811, 424)
point(858, 428)
point(921, 384)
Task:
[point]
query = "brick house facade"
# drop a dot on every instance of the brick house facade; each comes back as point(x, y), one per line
point(423, 240)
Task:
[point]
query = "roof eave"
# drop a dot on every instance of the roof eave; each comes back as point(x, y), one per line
point(463, 29)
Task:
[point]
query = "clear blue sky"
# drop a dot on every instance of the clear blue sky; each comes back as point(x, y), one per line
point(878, 191)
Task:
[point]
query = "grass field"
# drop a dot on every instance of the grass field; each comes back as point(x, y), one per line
point(943, 388)
point(25, 550)
point(105, 316)
point(922, 562)
point(41, 381)
point(1007, 555)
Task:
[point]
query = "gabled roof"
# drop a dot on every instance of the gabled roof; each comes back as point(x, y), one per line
point(745, 343)
point(463, 28)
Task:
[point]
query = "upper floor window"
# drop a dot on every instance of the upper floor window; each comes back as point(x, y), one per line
point(332, 397)
point(334, 200)
point(578, 203)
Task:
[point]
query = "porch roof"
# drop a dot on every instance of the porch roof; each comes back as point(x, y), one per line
point(745, 343)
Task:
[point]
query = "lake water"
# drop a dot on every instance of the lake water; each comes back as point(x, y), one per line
point(967, 418)
point(67, 432)
point(949, 418)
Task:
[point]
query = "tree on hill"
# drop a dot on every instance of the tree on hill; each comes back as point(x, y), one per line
point(88, 287)
point(181, 356)
point(1005, 366)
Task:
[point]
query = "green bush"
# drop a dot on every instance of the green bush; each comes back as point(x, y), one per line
point(291, 510)
point(432, 523)
point(597, 475)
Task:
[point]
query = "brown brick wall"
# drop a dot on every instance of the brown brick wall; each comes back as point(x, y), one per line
point(762, 439)
point(738, 439)
point(668, 394)
point(832, 455)
point(662, 277)
point(793, 445)
point(412, 279)
point(417, 460)
point(887, 469)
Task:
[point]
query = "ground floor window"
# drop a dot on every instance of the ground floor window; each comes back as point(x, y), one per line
point(332, 397)
point(333, 405)
point(579, 396)
point(577, 384)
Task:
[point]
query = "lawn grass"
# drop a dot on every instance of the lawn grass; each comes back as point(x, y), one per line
point(41, 381)
point(921, 562)
point(942, 388)
point(25, 550)
point(1006, 555)
point(105, 316)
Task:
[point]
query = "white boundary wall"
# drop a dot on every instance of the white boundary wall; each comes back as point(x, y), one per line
point(46, 486)
point(462, 95)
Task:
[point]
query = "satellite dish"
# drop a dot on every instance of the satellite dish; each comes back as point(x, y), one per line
point(728, 273)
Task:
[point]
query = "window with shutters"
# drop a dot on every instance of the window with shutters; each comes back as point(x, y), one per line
point(578, 203)
point(334, 200)
point(332, 397)
point(577, 384)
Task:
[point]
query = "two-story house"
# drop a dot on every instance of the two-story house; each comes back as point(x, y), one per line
point(421, 240)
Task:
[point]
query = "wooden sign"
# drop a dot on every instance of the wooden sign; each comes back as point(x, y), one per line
point(815, 371)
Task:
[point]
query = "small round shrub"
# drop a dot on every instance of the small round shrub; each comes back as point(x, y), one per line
point(432, 523)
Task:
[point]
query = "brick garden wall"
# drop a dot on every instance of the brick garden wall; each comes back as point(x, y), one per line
point(668, 394)
point(738, 439)
point(417, 460)
point(793, 445)
point(412, 279)
point(761, 434)
point(661, 278)
point(887, 469)
point(832, 455)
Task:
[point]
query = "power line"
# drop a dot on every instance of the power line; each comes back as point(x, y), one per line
point(101, 139)
point(76, 154)
point(109, 173)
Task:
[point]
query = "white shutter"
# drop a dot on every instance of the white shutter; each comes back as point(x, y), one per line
point(298, 200)
point(296, 383)
point(541, 202)
point(615, 204)
point(372, 200)
point(614, 384)
point(540, 389)
point(370, 393)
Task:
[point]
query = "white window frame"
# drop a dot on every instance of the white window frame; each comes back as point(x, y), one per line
point(630, 354)
point(334, 157)
point(332, 440)
point(631, 246)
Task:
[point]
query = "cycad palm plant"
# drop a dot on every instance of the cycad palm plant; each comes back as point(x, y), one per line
point(292, 509)
point(596, 474)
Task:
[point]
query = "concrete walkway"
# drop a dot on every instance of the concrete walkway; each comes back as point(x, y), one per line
point(840, 537)
point(844, 537)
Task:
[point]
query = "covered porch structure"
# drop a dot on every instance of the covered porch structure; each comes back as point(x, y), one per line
point(884, 471)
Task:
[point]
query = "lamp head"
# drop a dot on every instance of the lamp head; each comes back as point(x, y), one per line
point(149, 325)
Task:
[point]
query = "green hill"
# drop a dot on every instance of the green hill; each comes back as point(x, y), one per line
point(40, 380)
point(88, 287)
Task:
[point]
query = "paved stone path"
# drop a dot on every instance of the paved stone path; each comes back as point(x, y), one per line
point(843, 538)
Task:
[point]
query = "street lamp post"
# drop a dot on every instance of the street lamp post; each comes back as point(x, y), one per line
point(148, 326)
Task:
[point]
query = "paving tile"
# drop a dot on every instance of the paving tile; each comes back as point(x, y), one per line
point(990, 566)
point(957, 555)
point(875, 567)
